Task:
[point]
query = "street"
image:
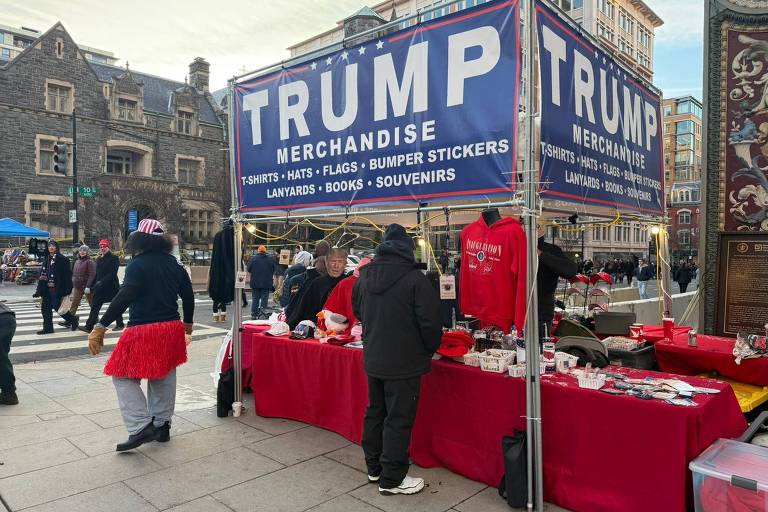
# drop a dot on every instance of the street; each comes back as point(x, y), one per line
point(29, 346)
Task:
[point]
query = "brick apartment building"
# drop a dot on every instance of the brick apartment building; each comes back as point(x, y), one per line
point(148, 145)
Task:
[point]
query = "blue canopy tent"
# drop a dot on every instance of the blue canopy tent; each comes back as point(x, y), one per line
point(10, 227)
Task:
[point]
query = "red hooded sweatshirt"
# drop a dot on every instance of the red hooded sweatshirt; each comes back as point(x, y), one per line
point(493, 269)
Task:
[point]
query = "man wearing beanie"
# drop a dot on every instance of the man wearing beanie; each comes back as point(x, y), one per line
point(396, 354)
point(261, 268)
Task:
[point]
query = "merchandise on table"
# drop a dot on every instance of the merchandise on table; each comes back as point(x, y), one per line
point(496, 360)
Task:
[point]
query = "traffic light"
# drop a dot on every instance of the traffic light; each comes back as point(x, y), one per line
point(60, 158)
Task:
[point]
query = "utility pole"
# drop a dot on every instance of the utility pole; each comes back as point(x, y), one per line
point(75, 232)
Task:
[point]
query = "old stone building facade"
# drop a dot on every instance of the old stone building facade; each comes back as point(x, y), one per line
point(148, 145)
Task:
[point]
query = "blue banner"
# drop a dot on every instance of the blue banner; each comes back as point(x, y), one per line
point(427, 112)
point(601, 140)
point(133, 220)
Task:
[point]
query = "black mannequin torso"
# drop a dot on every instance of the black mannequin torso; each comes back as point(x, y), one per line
point(491, 216)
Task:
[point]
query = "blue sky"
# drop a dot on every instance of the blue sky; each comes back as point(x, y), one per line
point(678, 49)
point(264, 28)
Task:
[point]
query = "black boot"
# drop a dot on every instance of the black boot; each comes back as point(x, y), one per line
point(65, 323)
point(164, 432)
point(145, 435)
point(9, 398)
point(44, 331)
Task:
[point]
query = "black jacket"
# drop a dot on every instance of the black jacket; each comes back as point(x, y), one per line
point(553, 264)
point(62, 277)
point(400, 313)
point(644, 273)
point(261, 268)
point(683, 275)
point(107, 284)
point(298, 285)
point(221, 276)
point(312, 299)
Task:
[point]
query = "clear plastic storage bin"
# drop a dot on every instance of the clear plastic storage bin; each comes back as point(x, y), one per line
point(731, 475)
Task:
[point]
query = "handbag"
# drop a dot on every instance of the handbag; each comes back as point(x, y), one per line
point(64, 305)
point(514, 483)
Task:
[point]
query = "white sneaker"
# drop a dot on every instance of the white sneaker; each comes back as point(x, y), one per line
point(373, 479)
point(409, 485)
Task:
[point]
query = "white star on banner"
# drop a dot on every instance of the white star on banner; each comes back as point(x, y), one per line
point(344, 55)
point(611, 65)
point(596, 54)
point(329, 60)
point(361, 50)
point(603, 60)
point(380, 45)
point(313, 65)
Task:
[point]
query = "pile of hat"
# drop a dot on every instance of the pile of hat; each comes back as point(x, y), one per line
point(455, 344)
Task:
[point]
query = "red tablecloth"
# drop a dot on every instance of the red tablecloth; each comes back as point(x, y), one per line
point(601, 452)
point(712, 354)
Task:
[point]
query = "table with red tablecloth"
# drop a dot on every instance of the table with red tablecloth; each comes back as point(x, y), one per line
point(711, 354)
point(601, 452)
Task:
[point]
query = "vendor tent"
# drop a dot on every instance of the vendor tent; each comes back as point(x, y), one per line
point(10, 227)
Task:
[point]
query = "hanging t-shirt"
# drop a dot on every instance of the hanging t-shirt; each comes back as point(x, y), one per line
point(493, 269)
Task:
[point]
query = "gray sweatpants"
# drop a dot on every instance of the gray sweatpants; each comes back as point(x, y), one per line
point(161, 397)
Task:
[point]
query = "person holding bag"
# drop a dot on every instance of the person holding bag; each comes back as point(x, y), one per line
point(155, 341)
point(54, 285)
point(83, 276)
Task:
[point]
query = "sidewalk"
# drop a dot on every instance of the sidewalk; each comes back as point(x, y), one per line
point(57, 454)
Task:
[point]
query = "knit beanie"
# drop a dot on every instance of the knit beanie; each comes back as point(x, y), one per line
point(396, 242)
point(303, 258)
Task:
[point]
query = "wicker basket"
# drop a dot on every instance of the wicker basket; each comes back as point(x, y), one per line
point(591, 381)
point(471, 358)
point(496, 360)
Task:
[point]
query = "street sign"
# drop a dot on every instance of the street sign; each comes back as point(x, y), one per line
point(72, 216)
point(84, 191)
point(133, 220)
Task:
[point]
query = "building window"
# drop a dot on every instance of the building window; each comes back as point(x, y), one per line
point(189, 171)
point(626, 22)
point(127, 110)
point(643, 38)
point(201, 224)
point(684, 237)
point(6, 54)
point(59, 98)
point(60, 48)
point(48, 213)
point(36, 206)
point(184, 122)
point(606, 7)
point(625, 47)
point(606, 32)
point(684, 217)
point(119, 162)
point(45, 162)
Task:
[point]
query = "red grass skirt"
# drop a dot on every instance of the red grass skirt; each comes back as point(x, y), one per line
point(148, 351)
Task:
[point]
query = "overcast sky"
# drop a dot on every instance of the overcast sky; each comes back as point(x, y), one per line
point(163, 36)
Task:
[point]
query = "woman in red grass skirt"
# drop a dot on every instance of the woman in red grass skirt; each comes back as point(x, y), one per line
point(155, 342)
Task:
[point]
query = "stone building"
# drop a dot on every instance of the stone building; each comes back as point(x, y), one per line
point(149, 146)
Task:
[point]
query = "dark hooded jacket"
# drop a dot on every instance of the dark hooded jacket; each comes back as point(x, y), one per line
point(107, 283)
point(221, 276)
point(553, 264)
point(400, 313)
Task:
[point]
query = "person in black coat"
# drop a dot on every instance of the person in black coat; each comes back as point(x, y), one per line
point(315, 293)
point(261, 267)
point(683, 276)
point(553, 264)
point(54, 284)
point(400, 313)
point(105, 286)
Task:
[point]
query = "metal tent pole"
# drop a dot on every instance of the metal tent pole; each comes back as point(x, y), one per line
point(530, 178)
point(237, 314)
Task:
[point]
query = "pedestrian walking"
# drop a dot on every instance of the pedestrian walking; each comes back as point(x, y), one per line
point(262, 268)
point(683, 276)
point(105, 286)
point(644, 274)
point(400, 313)
point(7, 378)
point(444, 259)
point(83, 277)
point(54, 284)
point(279, 278)
point(629, 271)
point(156, 340)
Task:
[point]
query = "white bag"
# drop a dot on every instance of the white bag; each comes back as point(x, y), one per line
point(66, 303)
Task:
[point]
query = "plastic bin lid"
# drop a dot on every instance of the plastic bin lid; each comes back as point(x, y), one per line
point(742, 464)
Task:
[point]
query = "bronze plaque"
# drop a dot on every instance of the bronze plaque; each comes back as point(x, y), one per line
point(743, 288)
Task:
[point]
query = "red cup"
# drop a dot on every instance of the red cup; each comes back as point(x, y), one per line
point(668, 324)
point(636, 331)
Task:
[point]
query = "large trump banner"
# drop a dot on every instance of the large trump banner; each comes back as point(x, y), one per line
point(601, 138)
point(428, 112)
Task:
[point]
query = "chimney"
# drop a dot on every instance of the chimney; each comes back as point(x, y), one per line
point(363, 20)
point(199, 70)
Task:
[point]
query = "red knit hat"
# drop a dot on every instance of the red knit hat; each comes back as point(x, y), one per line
point(104, 243)
point(455, 344)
